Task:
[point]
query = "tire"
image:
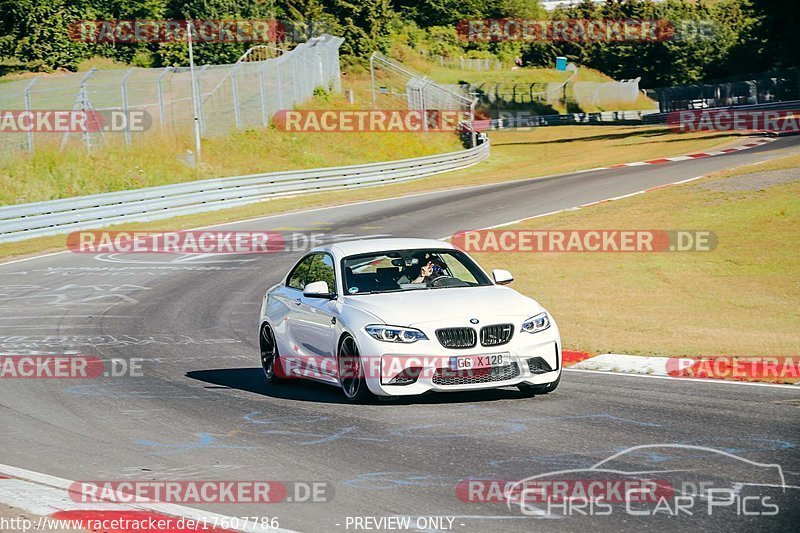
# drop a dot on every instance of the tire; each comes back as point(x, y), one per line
point(270, 361)
point(535, 390)
point(351, 372)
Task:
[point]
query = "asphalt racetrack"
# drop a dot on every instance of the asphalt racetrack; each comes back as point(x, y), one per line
point(203, 411)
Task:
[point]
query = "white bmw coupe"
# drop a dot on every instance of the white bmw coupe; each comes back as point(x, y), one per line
point(391, 317)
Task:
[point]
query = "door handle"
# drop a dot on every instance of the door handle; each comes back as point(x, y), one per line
point(297, 301)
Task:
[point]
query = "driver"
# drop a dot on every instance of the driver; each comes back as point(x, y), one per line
point(429, 271)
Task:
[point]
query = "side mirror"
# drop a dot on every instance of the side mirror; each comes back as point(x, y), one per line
point(502, 277)
point(318, 289)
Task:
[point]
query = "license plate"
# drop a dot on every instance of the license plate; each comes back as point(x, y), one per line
point(471, 362)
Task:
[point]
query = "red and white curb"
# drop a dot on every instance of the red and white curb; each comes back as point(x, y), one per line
point(689, 157)
point(661, 367)
point(49, 496)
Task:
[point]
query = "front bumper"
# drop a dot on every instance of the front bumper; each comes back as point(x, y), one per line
point(532, 359)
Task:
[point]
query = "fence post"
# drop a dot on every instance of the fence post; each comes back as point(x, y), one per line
point(85, 106)
point(236, 111)
point(293, 61)
point(472, 122)
point(159, 80)
point(125, 106)
point(280, 83)
point(28, 109)
point(263, 94)
point(372, 77)
point(321, 71)
point(201, 112)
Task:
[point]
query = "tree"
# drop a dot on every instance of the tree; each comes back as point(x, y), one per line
point(364, 24)
point(37, 32)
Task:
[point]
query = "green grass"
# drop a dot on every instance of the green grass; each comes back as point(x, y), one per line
point(50, 173)
point(738, 300)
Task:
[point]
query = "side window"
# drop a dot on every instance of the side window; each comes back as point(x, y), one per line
point(322, 270)
point(298, 276)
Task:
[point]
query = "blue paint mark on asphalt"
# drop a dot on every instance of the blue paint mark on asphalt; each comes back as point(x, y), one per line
point(305, 438)
point(461, 429)
point(319, 438)
point(393, 480)
point(605, 416)
point(205, 440)
point(303, 419)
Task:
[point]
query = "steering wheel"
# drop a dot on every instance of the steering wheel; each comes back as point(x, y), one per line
point(444, 278)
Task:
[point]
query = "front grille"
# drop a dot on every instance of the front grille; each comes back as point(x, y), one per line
point(537, 365)
point(457, 337)
point(497, 334)
point(444, 376)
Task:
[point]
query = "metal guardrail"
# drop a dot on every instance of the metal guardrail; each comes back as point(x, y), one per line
point(614, 117)
point(604, 117)
point(40, 219)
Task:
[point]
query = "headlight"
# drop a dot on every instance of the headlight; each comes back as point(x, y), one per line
point(536, 324)
point(395, 333)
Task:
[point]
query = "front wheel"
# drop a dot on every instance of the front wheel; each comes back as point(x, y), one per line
point(351, 372)
point(270, 362)
point(534, 390)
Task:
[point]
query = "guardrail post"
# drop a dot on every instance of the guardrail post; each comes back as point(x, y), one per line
point(125, 106)
point(28, 109)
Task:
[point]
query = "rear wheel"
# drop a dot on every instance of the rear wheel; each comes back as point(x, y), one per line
point(351, 372)
point(270, 362)
point(534, 390)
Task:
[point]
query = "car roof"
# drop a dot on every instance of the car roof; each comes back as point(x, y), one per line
point(365, 246)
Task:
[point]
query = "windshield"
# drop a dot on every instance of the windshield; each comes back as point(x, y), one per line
point(407, 270)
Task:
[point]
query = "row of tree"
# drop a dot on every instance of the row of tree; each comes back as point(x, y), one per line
point(740, 36)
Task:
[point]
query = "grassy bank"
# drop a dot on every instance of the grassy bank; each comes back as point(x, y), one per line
point(740, 299)
point(50, 173)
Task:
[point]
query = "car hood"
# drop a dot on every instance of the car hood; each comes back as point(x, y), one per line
point(455, 304)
